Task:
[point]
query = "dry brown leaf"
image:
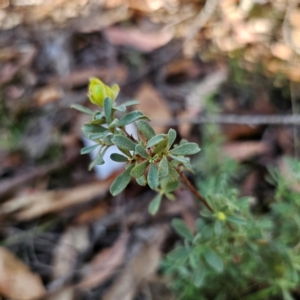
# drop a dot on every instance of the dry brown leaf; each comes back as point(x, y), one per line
point(105, 264)
point(47, 94)
point(27, 207)
point(281, 51)
point(146, 6)
point(141, 40)
point(153, 106)
point(137, 270)
point(94, 213)
point(244, 150)
point(73, 241)
point(16, 279)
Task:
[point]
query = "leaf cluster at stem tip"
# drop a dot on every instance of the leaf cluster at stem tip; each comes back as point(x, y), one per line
point(152, 159)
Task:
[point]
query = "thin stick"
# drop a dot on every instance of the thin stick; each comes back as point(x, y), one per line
point(194, 191)
point(236, 119)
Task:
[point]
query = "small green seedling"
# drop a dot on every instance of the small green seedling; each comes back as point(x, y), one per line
point(152, 159)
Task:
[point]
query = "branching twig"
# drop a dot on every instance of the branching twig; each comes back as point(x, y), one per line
point(194, 190)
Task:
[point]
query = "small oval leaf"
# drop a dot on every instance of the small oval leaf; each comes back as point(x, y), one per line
point(121, 182)
point(118, 157)
point(155, 204)
point(139, 170)
point(89, 128)
point(153, 177)
point(213, 259)
point(83, 109)
point(171, 136)
point(139, 149)
point(155, 140)
point(123, 142)
point(141, 180)
point(163, 167)
point(186, 149)
point(182, 229)
point(88, 149)
point(108, 110)
point(145, 129)
point(129, 118)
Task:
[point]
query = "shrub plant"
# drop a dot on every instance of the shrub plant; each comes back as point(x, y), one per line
point(234, 253)
point(155, 153)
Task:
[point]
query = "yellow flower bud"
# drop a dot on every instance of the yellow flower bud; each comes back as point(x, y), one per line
point(221, 216)
point(98, 91)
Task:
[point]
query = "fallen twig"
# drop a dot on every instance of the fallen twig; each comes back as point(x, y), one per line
point(235, 119)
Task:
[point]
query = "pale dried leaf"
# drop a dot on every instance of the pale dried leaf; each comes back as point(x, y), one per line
point(139, 269)
point(47, 95)
point(241, 151)
point(104, 264)
point(141, 40)
point(27, 207)
point(16, 279)
point(74, 241)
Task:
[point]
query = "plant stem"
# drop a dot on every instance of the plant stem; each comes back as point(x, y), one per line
point(194, 190)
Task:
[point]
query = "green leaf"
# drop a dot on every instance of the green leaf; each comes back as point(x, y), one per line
point(155, 140)
point(121, 108)
point(141, 180)
point(218, 227)
point(108, 140)
point(181, 159)
point(155, 204)
point(88, 149)
point(163, 167)
point(132, 102)
point(129, 118)
point(98, 159)
point(200, 224)
point(182, 229)
point(198, 276)
point(118, 157)
point(186, 149)
point(123, 142)
point(236, 220)
point(108, 110)
point(171, 186)
point(161, 146)
point(97, 136)
point(171, 137)
point(152, 177)
point(121, 181)
point(139, 170)
point(89, 128)
point(139, 149)
point(145, 129)
point(205, 212)
point(173, 175)
point(213, 259)
point(83, 109)
point(113, 124)
point(170, 196)
point(179, 253)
